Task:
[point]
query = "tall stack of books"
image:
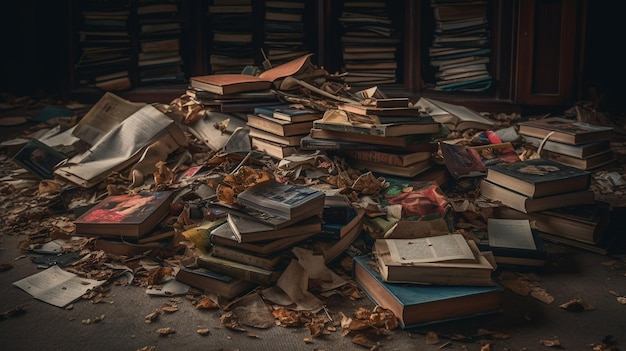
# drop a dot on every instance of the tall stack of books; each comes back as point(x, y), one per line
point(461, 45)
point(231, 32)
point(536, 185)
point(581, 145)
point(395, 140)
point(278, 129)
point(369, 43)
point(284, 31)
point(429, 279)
point(267, 220)
point(159, 58)
point(104, 42)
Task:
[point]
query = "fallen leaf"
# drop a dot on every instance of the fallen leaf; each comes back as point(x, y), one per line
point(166, 331)
point(550, 343)
point(205, 304)
point(432, 338)
point(576, 305)
point(203, 331)
point(362, 340)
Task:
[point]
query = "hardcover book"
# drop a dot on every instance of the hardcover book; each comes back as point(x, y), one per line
point(446, 259)
point(224, 84)
point(419, 305)
point(238, 270)
point(279, 126)
point(565, 130)
point(539, 177)
point(400, 171)
point(396, 141)
point(380, 129)
point(392, 158)
point(291, 140)
point(527, 204)
point(212, 282)
point(273, 149)
point(247, 230)
point(580, 151)
point(587, 163)
point(266, 262)
point(125, 216)
point(462, 161)
point(39, 158)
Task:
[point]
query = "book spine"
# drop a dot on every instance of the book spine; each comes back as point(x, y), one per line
point(376, 156)
point(349, 128)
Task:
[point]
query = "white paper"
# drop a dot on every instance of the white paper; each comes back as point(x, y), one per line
point(56, 286)
point(448, 247)
point(512, 233)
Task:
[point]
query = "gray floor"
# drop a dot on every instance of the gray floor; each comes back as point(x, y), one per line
point(570, 274)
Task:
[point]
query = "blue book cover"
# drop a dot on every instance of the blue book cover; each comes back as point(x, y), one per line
point(418, 305)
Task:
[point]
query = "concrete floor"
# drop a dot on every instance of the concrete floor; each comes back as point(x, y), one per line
point(569, 274)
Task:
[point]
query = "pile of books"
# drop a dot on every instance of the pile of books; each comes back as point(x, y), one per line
point(396, 139)
point(232, 25)
point(581, 145)
point(278, 129)
point(461, 45)
point(267, 221)
point(284, 31)
point(159, 58)
point(429, 279)
point(369, 43)
point(537, 184)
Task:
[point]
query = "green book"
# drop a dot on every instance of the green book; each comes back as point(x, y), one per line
point(418, 305)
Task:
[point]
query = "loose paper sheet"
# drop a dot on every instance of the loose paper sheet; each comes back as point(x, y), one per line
point(56, 286)
point(438, 248)
point(511, 233)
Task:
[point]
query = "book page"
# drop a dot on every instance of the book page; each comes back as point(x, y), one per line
point(511, 233)
point(56, 286)
point(448, 247)
point(104, 116)
point(119, 145)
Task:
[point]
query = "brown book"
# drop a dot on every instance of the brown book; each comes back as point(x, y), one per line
point(380, 111)
point(224, 236)
point(265, 262)
point(227, 83)
point(212, 282)
point(125, 216)
point(581, 151)
point(539, 177)
point(402, 171)
point(462, 161)
point(238, 270)
point(526, 204)
point(247, 230)
point(587, 163)
point(397, 141)
point(273, 149)
point(565, 130)
point(291, 140)
point(390, 158)
point(447, 259)
point(279, 126)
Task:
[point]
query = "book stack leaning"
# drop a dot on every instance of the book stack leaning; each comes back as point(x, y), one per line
point(429, 279)
point(265, 223)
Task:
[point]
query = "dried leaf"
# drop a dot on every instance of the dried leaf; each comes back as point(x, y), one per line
point(203, 331)
point(541, 295)
point(165, 331)
point(362, 340)
point(432, 338)
point(206, 303)
point(152, 317)
point(621, 299)
point(229, 320)
point(550, 343)
point(576, 305)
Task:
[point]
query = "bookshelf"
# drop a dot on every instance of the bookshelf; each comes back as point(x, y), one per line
point(528, 39)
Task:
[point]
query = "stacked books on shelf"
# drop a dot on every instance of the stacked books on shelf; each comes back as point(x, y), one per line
point(231, 34)
point(159, 58)
point(581, 145)
point(285, 31)
point(537, 184)
point(268, 220)
point(583, 226)
point(429, 279)
point(278, 129)
point(461, 45)
point(104, 44)
point(369, 43)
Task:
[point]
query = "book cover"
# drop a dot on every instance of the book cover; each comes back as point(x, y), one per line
point(291, 140)
point(527, 204)
point(219, 284)
point(539, 177)
point(565, 130)
point(419, 305)
point(128, 215)
point(291, 201)
point(514, 244)
point(408, 127)
point(492, 154)
point(39, 158)
point(462, 161)
point(279, 126)
point(226, 83)
point(588, 163)
point(273, 149)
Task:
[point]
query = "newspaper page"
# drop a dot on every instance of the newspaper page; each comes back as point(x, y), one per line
point(440, 248)
point(104, 116)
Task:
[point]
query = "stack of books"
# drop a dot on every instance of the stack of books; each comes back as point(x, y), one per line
point(429, 279)
point(159, 59)
point(232, 28)
point(104, 45)
point(278, 129)
point(581, 145)
point(369, 43)
point(537, 184)
point(284, 31)
point(402, 128)
point(461, 45)
point(268, 220)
